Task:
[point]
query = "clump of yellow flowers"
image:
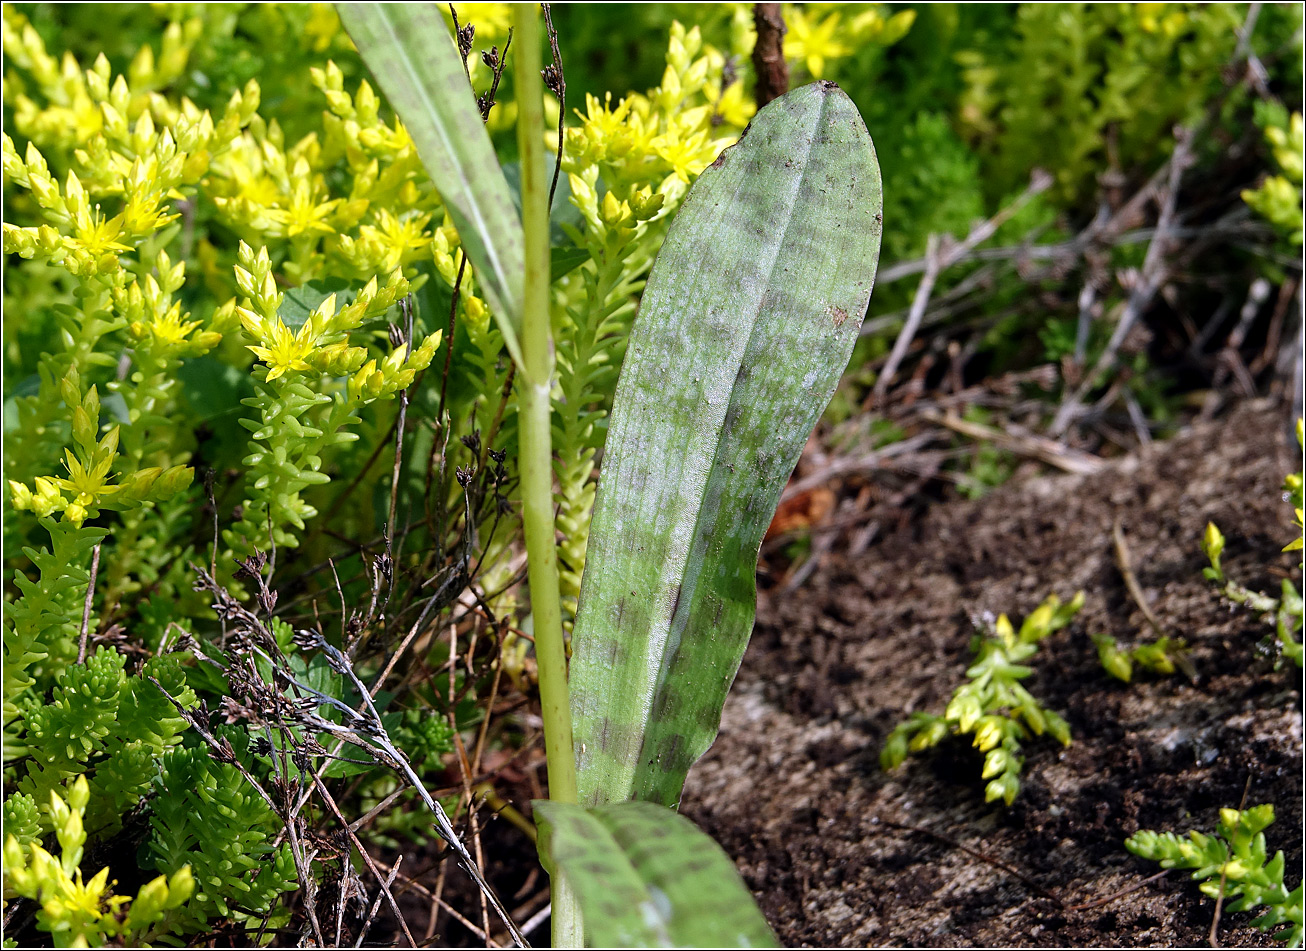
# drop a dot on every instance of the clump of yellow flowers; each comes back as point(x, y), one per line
point(183, 267)
point(79, 913)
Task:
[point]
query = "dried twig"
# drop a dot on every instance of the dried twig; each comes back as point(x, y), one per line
point(422, 890)
point(367, 859)
point(1154, 273)
point(988, 860)
point(1022, 443)
point(1224, 876)
point(1120, 894)
point(384, 892)
point(86, 606)
point(769, 63)
point(1125, 565)
point(933, 265)
point(556, 81)
point(939, 256)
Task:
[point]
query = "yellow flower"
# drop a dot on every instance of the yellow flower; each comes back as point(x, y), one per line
point(732, 107)
point(305, 216)
point(686, 156)
point(283, 350)
point(322, 27)
point(87, 483)
point(96, 236)
point(398, 236)
point(813, 42)
point(168, 329)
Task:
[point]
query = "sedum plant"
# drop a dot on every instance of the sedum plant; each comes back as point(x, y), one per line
point(194, 263)
point(1157, 657)
point(1284, 612)
point(772, 256)
point(1278, 198)
point(76, 912)
point(1233, 864)
point(993, 707)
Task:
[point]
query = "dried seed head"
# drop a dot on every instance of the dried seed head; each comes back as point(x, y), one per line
point(465, 36)
point(552, 77)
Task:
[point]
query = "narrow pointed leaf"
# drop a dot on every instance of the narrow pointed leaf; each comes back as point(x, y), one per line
point(645, 876)
point(747, 321)
point(411, 53)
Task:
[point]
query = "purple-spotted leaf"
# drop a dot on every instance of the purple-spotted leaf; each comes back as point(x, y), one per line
point(747, 321)
point(646, 877)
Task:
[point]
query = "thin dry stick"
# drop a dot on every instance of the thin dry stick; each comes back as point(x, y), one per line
point(86, 607)
point(857, 464)
point(434, 920)
point(769, 63)
point(367, 858)
point(489, 708)
point(537, 919)
point(464, 45)
point(501, 807)
point(1120, 894)
point(556, 80)
point(933, 265)
point(1112, 233)
point(465, 767)
point(448, 348)
point(1025, 444)
point(1256, 72)
point(376, 810)
point(209, 478)
point(1152, 276)
point(938, 258)
point(445, 906)
point(1224, 875)
point(406, 308)
point(376, 903)
point(1131, 581)
point(988, 860)
point(1087, 297)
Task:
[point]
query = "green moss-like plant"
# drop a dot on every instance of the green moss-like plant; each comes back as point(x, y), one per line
point(206, 817)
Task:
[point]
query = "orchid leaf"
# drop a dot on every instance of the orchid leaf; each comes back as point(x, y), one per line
point(646, 876)
point(748, 319)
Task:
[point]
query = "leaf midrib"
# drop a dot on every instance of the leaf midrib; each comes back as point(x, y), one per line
point(673, 638)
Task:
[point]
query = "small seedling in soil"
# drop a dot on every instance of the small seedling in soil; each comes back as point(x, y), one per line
point(1231, 864)
point(1161, 656)
point(993, 706)
point(1284, 612)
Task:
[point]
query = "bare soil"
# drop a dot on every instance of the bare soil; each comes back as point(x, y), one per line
point(841, 854)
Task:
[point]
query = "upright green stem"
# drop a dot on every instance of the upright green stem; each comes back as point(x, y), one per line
point(535, 409)
point(536, 462)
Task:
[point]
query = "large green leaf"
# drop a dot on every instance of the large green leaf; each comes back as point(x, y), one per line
point(748, 319)
point(645, 876)
point(411, 53)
